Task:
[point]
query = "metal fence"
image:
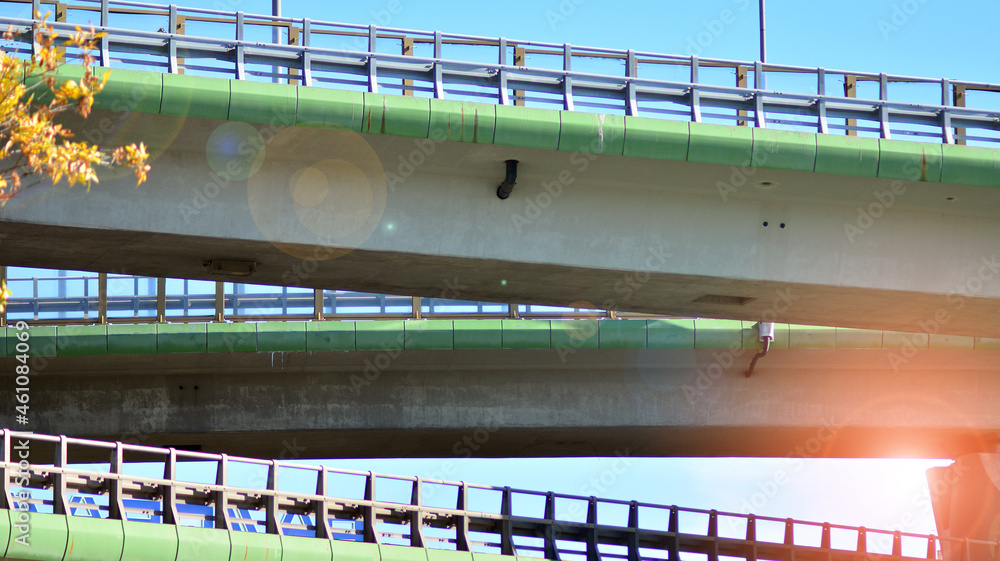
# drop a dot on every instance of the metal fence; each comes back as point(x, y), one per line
point(519, 72)
point(352, 505)
point(67, 298)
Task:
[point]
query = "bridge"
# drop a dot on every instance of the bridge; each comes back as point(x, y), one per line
point(853, 202)
point(660, 193)
point(61, 510)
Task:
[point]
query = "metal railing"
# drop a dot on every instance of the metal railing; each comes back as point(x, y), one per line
point(56, 298)
point(479, 518)
point(354, 56)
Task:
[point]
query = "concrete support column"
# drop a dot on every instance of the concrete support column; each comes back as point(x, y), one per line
point(966, 499)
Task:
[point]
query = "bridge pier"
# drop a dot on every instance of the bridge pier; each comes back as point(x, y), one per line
point(966, 500)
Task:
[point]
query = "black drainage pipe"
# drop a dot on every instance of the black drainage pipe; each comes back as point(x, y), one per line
point(503, 191)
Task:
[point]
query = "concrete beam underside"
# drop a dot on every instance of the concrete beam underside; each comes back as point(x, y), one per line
point(376, 213)
point(805, 403)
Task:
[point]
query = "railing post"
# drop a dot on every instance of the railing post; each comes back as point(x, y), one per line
point(161, 300)
point(883, 111)
point(519, 60)
point(506, 525)
point(593, 553)
point(947, 136)
point(372, 63)
point(407, 50)
point(294, 34)
point(567, 80)
point(319, 506)
point(462, 521)
point(789, 532)
point(695, 94)
point(549, 530)
point(438, 68)
point(752, 537)
point(240, 67)
point(504, 97)
point(673, 545)
point(416, 516)
point(102, 298)
point(105, 46)
point(851, 90)
point(958, 100)
point(741, 82)
point(222, 521)
point(59, 478)
point(417, 307)
point(116, 502)
point(271, 503)
point(760, 119)
point(862, 541)
point(371, 536)
point(167, 491)
point(220, 302)
point(172, 24)
point(3, 285)
point(824, 127)
point(631, 71)
point(931, 547)
point(319, 311)
point(306, 55)
point(897, 544)
point(633, 534)
point(824, 541)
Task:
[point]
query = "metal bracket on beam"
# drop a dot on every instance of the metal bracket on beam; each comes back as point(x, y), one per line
point(765, 332)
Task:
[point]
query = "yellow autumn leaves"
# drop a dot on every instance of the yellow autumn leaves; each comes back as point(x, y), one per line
point(32, 143)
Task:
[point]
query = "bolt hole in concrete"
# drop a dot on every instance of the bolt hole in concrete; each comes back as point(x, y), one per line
point(782, 225)
point(949, 199)
point(765, 224)
point(180, 387)
point(196, 387)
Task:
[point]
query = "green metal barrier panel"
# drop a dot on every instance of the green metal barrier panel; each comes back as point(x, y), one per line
point(428, 335)
point(355, 551)
point(260, 102)
point(592, 133)
point(847, 155)
point(653, 138)
point(858, 339)
point(181, 338)
point(330, 109)
point(146, 541)
point(622, 335)
point(131, 339)
point(130, 90)
point(94, 539)
point(778, 149)
point(396, 115)
point(448, 555)
point(462, 121)
point(970, 165)
point(527, 127)
point(247, 546)
point(295, 548)
point(5, 533)
point(194, 96)
point(330, 336)
point(909, 161)
point(575, 334)
point(401, 553)
point(377, 335)
point(202, 544)
point(718, 334)
point(519, 334)
point(478, 334)
point(810, 337)
point(720, 144)
point(670, 333)
point(46, 540)
point(77, 340)
point(232, 337)
point(281, 336)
